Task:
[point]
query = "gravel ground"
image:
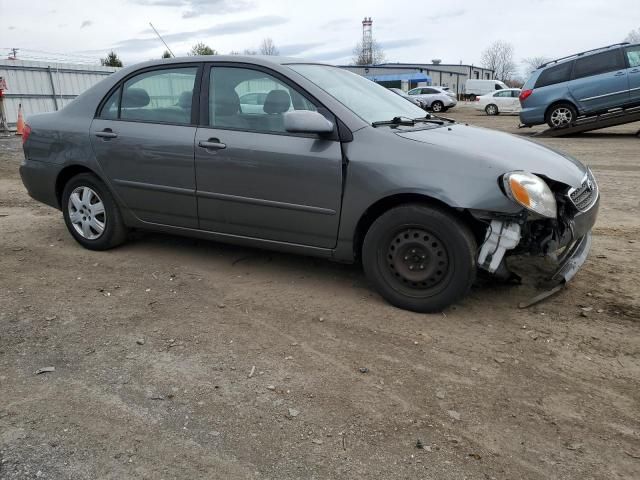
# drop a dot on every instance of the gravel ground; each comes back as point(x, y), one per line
point(177, 358)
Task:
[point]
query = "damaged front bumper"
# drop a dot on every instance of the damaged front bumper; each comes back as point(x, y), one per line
point(566, 241)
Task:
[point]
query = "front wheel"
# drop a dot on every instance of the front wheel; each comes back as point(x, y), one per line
point(419, 258)
point(437, 106)
point(91, 213)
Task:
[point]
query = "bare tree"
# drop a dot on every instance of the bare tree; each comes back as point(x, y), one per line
point(532, 63)
point(234, 52)
point(248, 51)
point(499, 57)
point(360, 56)
point(633, 36)
point(267, 47)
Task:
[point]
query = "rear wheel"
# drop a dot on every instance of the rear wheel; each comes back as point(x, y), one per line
point(437, 106)
point(561, 115)
point(419, 258)
point(91, 213)
point(491, 109)
point(472, 98)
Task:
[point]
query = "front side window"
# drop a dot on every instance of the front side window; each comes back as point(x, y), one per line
point(415, 91)
point(368, 100)
point(633, 56)
point(604, 62)
point(247, 99)
point(556, 74)
point(159, 96)
point(498, 86)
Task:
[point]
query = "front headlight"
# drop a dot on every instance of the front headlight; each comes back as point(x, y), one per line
point(531, 192)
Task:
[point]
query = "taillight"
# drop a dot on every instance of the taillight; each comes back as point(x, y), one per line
point(525, 94)
point(25, 133)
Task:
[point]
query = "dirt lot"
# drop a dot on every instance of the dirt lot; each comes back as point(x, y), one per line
point(153, 345)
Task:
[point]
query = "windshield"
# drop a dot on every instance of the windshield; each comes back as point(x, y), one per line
point(367, 99)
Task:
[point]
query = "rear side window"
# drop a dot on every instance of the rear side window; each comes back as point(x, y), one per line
point(633, 56)
point(503, 94)
point(556, 74)
point(110, 108)
point(604, 62)
point(162, 96)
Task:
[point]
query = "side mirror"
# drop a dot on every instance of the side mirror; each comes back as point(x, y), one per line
point(305, 121)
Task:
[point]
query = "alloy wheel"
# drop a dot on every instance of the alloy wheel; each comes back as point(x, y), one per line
point(561, 117)
point(87, 213)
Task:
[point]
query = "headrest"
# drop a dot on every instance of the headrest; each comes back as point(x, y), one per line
point(226, 104)
point(277, 101)
point(135, 98)
point(184, 101)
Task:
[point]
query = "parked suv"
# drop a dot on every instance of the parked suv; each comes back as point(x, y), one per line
point(433, 98)
point(586, 83)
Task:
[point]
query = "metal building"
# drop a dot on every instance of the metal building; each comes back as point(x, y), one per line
point(44, 86)
point(409, 75)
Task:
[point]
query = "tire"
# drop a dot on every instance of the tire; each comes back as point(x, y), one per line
point(472, 98)
point(419, 258)
point(437, 106)
point(492, 109)
point(561, 115)
point(92, 226)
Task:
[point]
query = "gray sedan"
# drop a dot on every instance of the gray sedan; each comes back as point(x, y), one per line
point(327, 163)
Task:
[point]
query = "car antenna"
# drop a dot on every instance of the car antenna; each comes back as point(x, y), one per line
point(162, 40)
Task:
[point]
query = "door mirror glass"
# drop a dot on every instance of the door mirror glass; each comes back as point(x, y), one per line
point(305, 121)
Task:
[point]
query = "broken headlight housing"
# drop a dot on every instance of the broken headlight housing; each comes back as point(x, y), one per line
point(532, 192)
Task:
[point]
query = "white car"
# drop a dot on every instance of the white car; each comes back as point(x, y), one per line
point(434, 99)
point(502, 101)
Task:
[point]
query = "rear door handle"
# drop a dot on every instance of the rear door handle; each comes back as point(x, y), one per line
point(212, 144)
point(619, 74)
point(635, 70)
point(107, 133)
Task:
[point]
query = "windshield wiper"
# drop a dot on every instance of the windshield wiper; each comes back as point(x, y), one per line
point(395, 121)
point(431, 116)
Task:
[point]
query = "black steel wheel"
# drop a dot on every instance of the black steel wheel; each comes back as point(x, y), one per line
point(419, 257)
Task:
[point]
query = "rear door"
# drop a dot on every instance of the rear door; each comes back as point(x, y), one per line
point(254, 178)
point(503, 101)
point(144, 143)
point(600, 81)
point(633, 72)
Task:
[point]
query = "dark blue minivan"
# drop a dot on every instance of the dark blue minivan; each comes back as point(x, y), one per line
point(586, 83)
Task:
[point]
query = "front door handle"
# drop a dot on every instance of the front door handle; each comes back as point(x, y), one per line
point(212, 144)
point(107, 133)
point(619, 74)
point(635, 70)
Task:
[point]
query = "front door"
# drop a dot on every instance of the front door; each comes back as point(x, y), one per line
point(254, 178)
point(144, 144)
point(633, 60)
point(600, 81)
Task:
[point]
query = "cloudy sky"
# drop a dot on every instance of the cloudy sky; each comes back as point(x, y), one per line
point(453, 30)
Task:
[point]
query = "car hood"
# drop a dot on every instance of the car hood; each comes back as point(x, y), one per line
point(502, 152)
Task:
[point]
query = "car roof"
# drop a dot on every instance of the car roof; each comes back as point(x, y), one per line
point(587, 53)
point(265, 60)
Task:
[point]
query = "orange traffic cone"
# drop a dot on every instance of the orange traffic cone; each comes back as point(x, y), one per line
point(20, 125)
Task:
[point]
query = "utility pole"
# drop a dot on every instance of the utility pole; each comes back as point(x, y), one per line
point(14, 54)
